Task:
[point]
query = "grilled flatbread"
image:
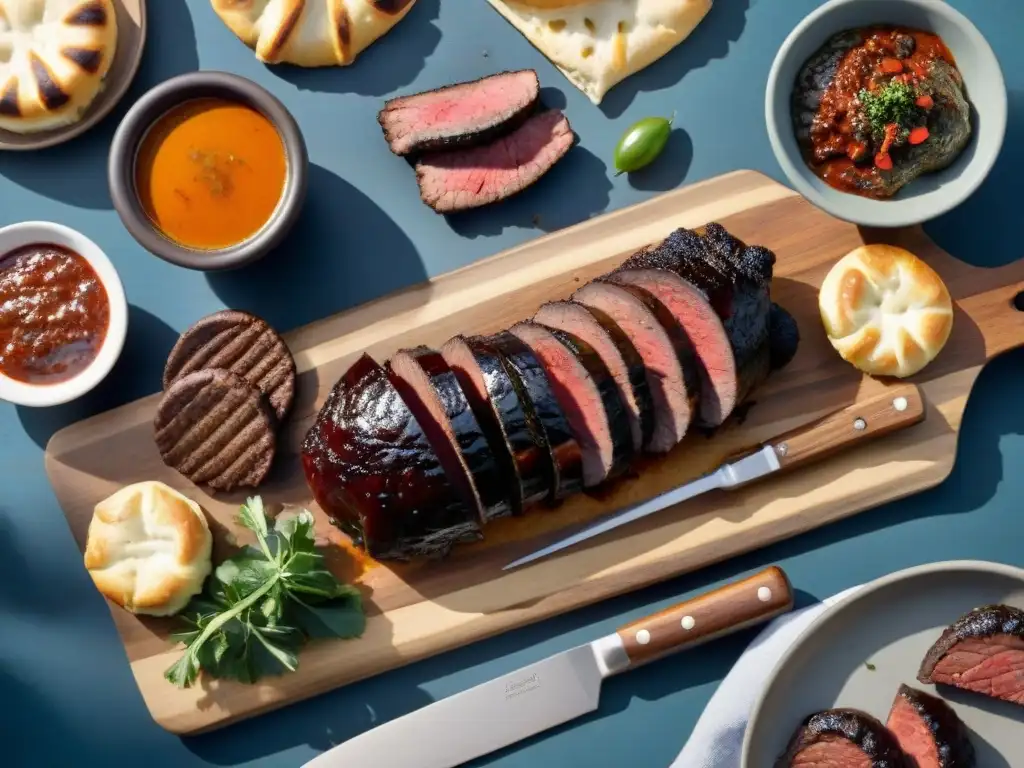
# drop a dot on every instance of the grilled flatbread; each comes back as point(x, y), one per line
point(599, 43)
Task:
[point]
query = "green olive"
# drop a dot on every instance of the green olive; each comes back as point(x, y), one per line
point(642, 143)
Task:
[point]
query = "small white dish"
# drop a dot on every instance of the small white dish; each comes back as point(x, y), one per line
point(43, 395)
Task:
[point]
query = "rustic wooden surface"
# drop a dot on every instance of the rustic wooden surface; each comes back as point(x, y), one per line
point(419, 610)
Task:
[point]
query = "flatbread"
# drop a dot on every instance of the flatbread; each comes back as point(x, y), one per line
point(599, 43)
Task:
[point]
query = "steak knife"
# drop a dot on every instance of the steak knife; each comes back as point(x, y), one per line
point(560, 688)
point(897, 407)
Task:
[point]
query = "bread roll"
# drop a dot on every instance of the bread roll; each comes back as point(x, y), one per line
point(885, 310)
point(54, 55)
point(310, 33)
point(599, 43)
point(148, 548)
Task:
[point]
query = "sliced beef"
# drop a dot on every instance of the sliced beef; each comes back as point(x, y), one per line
point(497, 402)
point(588, 397)
point(543, 409)
point(664, 349)
point(929, 731)
point(735, 280)
point(433, 393)
point(460, 115)
point(983, 652)
point(618, 353)
point(468, 178)
point(784, 337)
point(843, 738)
point(372, 469)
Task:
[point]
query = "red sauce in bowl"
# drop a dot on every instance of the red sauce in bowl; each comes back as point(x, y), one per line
point(54, 314)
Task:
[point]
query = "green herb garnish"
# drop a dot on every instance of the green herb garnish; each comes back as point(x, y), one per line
point(871, 667)
point(262, 605)
point(892, 103)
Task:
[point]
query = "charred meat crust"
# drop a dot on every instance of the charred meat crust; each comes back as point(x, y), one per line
point(859, 728)
point(984, 622)
point(948, 734)
point(371, 469)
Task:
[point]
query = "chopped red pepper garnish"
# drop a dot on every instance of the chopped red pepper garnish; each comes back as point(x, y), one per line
point(856, 150)
point(919, 135)
point(891, 66)
point(890, 136)
point(883, 161)
point(925, 101)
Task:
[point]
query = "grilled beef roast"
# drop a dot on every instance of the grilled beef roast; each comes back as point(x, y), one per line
point(462, 115)
point(468, 178)
point(734, 279)
point(372, 469)
point(983, 652)
point(536, 393)
point(618, 353)
point(929, 731)
point(499, 406)
point(433, 393)
point(843, 738)
point(588, 397)
point(663, 349)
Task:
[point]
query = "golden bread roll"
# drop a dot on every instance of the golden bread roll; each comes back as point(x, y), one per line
point(148, 548)
point(310, 33)
point(54, 55)
point(885, 310)
point(599, 43)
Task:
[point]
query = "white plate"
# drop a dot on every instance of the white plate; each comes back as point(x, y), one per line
point(890, 624)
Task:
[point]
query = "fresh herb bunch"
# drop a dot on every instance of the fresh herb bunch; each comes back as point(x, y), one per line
point(262, 605)
point(892, 103)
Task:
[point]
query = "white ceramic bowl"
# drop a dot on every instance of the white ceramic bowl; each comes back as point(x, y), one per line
point(929, 195)
point(40, 395)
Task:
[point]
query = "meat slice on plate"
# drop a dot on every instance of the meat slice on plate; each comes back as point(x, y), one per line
point(565, 457)
point(372, 469)
point(983, 652)
point(588, 397)
point(460, 115)
point(434, 395)
point(843, 738)
point(618, 353)
point(468, 178)
point(664, 348)
point(497, 401)
point(929, 731)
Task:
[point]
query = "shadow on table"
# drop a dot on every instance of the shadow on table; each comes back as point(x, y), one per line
point(709, 41)
point(75, 172)
point(669, 170)
point(138, 372)
point(390, 63)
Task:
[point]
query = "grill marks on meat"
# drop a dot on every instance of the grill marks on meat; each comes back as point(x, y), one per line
point(372, 469)
point(498, 405)
point(983, 652)
point(843, 738)
point(929, 731)
point(616, 350)
point(462, 115)
point(468, 178)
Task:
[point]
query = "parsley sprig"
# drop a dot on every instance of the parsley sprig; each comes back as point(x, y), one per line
point(893, 103)
point(261, 606)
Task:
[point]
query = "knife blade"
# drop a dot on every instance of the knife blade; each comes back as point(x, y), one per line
point(897, 407)
point(560, 688)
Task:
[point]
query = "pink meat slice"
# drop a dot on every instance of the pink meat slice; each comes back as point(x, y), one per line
point(707, 334)
point(578, 397)
point(832, 752)
point(992, 665)
point(468, 178)
point(664, 371)
point(913, 734)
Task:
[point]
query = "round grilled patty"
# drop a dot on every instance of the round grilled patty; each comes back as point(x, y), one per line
point(243, 344)
point(216, 428)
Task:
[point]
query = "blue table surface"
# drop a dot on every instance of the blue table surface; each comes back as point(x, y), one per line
point(67, 696)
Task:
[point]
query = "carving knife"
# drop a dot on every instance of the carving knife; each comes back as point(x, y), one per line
point(560, 688)
point(897, 407)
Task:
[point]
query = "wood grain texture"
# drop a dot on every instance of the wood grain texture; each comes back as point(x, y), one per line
point(419, 609)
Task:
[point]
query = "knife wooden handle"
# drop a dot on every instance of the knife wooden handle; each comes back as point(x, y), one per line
point(728, 609)
point(896, 407)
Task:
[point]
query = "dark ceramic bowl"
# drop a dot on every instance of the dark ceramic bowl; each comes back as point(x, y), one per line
point(153, 105)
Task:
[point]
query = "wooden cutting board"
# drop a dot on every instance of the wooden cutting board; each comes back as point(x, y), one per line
point(422, 609)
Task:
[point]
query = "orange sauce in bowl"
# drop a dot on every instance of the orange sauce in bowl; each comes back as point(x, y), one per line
point(210, 173)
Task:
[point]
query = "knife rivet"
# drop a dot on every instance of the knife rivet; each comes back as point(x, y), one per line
point(764, 595)
point(859, 424)
point(900, 403)
point(643, 637)
point(782, 449)
point(688, 623)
